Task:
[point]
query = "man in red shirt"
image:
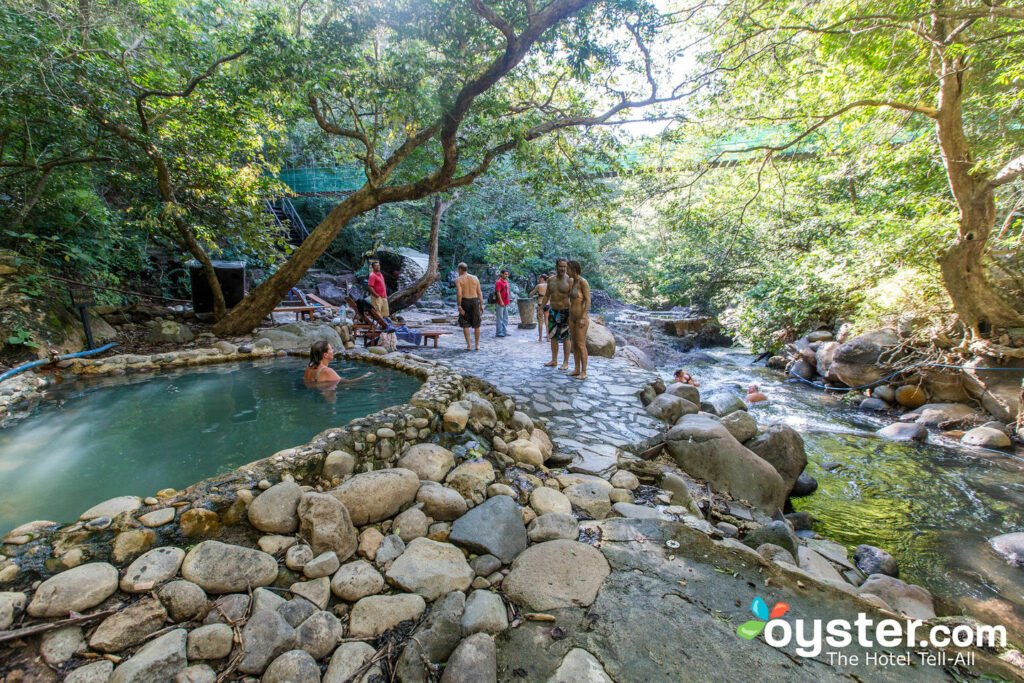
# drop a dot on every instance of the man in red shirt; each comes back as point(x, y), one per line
point(501, 306)
point(378, 290)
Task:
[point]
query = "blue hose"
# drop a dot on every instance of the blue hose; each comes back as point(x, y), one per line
point(44, 361)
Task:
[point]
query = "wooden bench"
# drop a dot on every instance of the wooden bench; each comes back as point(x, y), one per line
point(371, 334)
point(305, 312)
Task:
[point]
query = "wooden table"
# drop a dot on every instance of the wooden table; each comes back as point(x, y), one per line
point(305, 312)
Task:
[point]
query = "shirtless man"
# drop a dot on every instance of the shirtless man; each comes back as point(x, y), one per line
point(558, 316)
point(541, 292)
point(469, 299)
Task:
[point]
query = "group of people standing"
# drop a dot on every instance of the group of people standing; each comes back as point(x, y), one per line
point(563, 308)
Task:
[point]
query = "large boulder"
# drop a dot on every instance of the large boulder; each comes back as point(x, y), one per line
point(782, 447)
point(986, 437)
point(669, 408)
point(907, 599)
point(600, 341)
point(560, 573)
point(824, 357)
point(704, 448)
point(636, 356)
point(1010, 547)
point(997, 389)
point(683, 390)
point(301, 335)
point(855, 362)
point(373, 496)
point(723, 403)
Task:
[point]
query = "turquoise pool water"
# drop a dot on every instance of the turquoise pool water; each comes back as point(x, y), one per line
point(95, 439)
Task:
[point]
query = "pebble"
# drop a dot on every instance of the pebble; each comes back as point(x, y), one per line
point(485, 613)
point(157, 517)
point(60, 645)
point(319, 634)
point(324, 564)
point(96, 672)
point(317, 591)
point(375, 614)
point(475, 660)
point(213, 641)
point(356, 580)
point(182, 600)
point(297, 557)
point(296, 611)
point(294, 665)
point(265, 636)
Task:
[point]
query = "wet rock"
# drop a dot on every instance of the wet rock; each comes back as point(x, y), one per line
point(222, 568)
point(932, 414)
point(904, 431)
point(265, 636)
point(435, 640)
point(339, 464)
point(442, 503)
point(130, 543)
point(552, 526)
point(326, 524)
point(60, 645)
point(1010, 547)
point(910, 396)
point(411, 524)
point(319, 634)
point(324, 564)
point(182, 600)
point(723, 404)
point(873, 405)
point(986, 437)
point(158, 660)
point(637, 357)
point(373, 496)
point(801, 521)
point(545, 500)
point(805, 485)
point(591, 498)
point(543, 443)
point(495, 527)
point(775, 553)
point(213, 641)
point(432, 569)
point(872, 560)
point(777, 533)
point(741, 425)
point(684, 391)
point(475, 660)
point(485, 613)
point(375, 614)
point(669, 408)
point(199, 522)
point(74, 590)
point(482, 416)
point(704, 448)
point(157, 517)
point(294, 665)
point(555, 574)
point(580, 665)
point(96, 672)
point(429, 461)
point(998, 391)
point(274, 510)
point(152, 569)
point(317, 591)
point(12, 604)
point(356, 580)
point(908, 599)
point(112, 508)
point(782, 447)
point(347, 660)
point(128, 627)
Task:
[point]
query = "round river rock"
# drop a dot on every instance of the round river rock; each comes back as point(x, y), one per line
point(221, 568)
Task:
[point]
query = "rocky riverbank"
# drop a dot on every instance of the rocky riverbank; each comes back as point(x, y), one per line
point(449, 539)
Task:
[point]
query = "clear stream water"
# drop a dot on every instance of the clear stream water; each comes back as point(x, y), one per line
point(933, 506)
point(91, 440)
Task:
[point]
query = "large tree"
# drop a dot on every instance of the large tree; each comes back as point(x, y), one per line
point(426, 95)
point(803, 70)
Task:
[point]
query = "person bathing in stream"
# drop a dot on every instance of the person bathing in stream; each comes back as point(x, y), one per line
point(683, 377)
point(318, 371)
point(754, 395)
point(558, 317)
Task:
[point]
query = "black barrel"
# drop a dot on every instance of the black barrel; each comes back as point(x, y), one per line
point(230, 274)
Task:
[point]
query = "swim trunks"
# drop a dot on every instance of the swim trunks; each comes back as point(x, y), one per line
point(471, 317)
point(558, 325)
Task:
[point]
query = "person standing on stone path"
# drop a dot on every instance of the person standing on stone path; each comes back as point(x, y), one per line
point(504, 300)
point(541, 292)
point(558, 317)
point(469, 300)
point(579, 319)
point(378, 290)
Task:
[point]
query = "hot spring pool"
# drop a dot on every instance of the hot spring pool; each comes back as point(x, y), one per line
point(96, 439)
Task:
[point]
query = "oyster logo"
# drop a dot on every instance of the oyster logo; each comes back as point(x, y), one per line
point(752, 629)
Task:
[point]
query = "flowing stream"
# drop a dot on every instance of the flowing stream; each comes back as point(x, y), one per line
point(933, 506)
point(95, 439)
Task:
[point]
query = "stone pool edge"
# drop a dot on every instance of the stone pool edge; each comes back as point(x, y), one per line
point(216, 504)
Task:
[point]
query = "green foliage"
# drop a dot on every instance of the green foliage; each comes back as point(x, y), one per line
point(22, 337)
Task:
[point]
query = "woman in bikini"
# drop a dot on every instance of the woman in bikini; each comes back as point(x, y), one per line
point(318, 372)
point(579, 319)
point(541, 292)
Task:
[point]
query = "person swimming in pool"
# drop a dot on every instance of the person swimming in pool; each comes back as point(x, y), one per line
point(318, 371)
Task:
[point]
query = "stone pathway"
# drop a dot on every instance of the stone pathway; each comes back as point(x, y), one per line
point(588, 420)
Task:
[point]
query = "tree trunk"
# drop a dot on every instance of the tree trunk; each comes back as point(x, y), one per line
point(976, 302)
point(32, 198)
point(248, 314)
point(411, 294)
